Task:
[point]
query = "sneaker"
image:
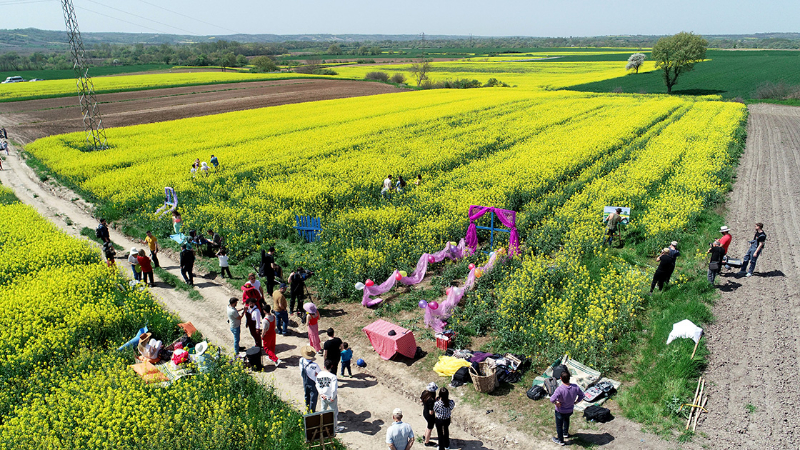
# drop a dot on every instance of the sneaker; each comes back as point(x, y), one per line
point(278, 362)
point(557, 442)
point(566, 436)
point(339, 429)
point(749, 274)
point(431, 444)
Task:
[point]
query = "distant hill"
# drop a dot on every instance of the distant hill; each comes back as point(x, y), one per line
point(32, 39)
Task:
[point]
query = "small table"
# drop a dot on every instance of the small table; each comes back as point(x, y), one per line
point(403, 342)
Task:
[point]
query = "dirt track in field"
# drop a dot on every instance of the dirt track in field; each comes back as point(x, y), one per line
point(755, 342)
point(33, 119)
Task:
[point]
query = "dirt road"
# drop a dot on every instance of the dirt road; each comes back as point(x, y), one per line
point(33, 119)
point(755, 341)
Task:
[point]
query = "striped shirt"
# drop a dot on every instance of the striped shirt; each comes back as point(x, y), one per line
point(442, 411)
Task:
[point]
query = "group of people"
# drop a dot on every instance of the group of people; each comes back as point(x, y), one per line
point(718, 250)
point(3, 146)
point(203, 166)
point(399, 186)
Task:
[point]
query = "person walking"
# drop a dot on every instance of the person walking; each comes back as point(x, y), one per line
point(214, 162)
point(268, 335)
point(401, 184)
point(443, 409)
point(224, 267)
point(612, 223)
point(313, 326)
point(428, 398)
point(110, 253)
point(235, 320)
point(666, 265)
point(152, 243)
point(564, 398)
point(187, 265)
point(253, 322)
point(133, 260)
point(281, 313)
point(715, 263)
point(347, 356)
point(147, 268)
point(267, 268)
point(332, 350)
point(328, 389)
point(756, 246)
point(297, 289)
point(308, 371)
point(399, 436)
point(101, 231)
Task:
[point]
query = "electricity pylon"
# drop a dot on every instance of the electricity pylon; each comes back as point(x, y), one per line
point(92, 122)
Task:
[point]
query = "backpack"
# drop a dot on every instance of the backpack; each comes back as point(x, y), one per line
point(597, 414)
point(536, 393)
point(550, 385)
point(462, 375)
point(97, 233)
point(557, 370)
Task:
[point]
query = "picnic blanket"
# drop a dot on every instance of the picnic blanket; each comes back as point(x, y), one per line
point(582, 375)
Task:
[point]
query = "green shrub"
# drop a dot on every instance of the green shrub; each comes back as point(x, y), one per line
point(377, 76)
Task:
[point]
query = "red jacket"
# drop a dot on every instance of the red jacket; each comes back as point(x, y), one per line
point(144, 262)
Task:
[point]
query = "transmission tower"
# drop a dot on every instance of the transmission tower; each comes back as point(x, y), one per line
point(92, 122)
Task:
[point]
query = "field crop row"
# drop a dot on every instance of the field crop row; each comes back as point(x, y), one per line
point(62, 384)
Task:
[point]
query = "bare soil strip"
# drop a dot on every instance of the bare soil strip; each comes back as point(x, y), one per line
point(753, 370)
point(33, 119)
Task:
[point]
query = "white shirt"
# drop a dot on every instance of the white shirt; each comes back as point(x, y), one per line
point(387, 184)
point(311, 368)
point(255, 314)
point(223, 261)
point(132, 259)
point(327, 384)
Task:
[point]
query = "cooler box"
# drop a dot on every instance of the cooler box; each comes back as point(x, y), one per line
point(443, 340)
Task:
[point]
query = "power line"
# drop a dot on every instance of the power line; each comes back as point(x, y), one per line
point(25, 2)
point(189, 17)
point(140, 17)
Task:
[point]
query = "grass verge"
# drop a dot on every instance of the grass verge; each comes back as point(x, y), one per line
point(177, 283)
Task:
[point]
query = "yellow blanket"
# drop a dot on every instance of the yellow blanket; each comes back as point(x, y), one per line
point(448, 365)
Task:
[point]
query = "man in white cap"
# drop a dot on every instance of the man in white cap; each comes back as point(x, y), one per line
point(134, 262)
point(399, 436)
point(725, 240)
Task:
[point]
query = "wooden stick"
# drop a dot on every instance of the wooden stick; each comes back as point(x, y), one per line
point(694, 427)
point(699, 398)
point(695, 347)
point(694, 402)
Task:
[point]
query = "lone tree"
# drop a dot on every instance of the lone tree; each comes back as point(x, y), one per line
point(419, 71)
point(678, 54)
point(264, 64)
point(635, 61)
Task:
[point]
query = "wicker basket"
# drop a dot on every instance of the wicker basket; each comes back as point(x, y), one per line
point(484, 383)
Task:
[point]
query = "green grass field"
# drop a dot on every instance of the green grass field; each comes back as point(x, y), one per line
point(730, 74)
point(93, 71)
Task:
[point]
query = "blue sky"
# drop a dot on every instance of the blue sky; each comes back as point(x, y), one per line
point(463, 17)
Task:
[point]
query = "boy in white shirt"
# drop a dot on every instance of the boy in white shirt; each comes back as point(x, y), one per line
point(223, 263)
point(328, 387)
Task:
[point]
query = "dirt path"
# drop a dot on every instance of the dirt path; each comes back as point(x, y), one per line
point(755, 341)
point(33, 119)
point(367, 399)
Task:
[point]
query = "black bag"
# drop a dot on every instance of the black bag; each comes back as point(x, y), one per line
point(714, 266)
point(97, 232)
point(550, 385)
point(597, 414)
point(462, 375)
point(607, 388)
point(557, 370)
point(536, 393)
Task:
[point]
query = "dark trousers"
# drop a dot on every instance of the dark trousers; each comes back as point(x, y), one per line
point(295, 298)
point(562, 425)
point(443, 431)
point(335, 366)
point(154, 257)
point(146, 275)
point(187, 274)
point(659, 278)
point(254, 333)
point(270, 285)
point(346, 365)
point(224, 270)
point(311, 395)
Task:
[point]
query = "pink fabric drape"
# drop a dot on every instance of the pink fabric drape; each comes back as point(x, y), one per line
point(435, 318)
point(450, 251)
point(507, 217)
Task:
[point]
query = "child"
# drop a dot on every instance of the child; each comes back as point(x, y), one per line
point(347, 355)
point(223, 263)
point(110, 253)
point(204, 168)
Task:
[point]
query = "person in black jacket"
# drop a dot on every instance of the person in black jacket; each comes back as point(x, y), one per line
point(267, 268)
point(717, 252)
point(297, 286)
point(102, 231)
point(187, 265)
point(666, 265)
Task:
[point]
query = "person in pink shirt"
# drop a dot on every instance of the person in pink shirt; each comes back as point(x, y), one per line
point(565, 397)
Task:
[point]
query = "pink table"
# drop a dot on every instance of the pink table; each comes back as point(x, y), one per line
point(403, 342)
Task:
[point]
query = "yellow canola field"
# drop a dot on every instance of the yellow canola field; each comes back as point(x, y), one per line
point(62, 383)
point(55, 88)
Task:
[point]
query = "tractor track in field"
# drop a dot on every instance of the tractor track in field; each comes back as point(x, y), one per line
point(753, 370)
